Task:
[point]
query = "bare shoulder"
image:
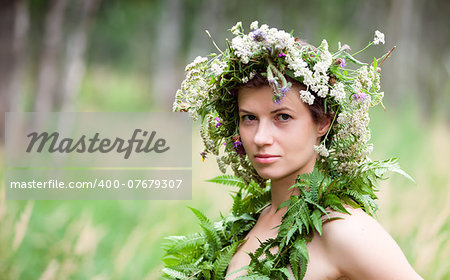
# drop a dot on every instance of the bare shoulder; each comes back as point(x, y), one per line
point(357, 223)
point(361, 248)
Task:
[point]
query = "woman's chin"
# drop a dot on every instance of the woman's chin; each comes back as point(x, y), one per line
point(267, 175)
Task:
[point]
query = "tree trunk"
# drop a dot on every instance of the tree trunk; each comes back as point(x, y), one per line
point(164, 81)
point(7, 14)
point(74, 64)
point(20, 42)
point(48, 72)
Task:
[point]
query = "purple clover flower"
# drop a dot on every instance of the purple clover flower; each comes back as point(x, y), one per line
point(361, 96)
point(258, 35)
point(345, 47)
point(285, 89)
point(281, 55)
point(218, 122)
point(273, 82)
point(237, 145)
point(343, 62)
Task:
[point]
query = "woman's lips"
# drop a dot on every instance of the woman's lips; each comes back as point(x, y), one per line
point(266, 158)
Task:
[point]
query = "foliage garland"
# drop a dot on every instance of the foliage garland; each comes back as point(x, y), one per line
point(343, 175)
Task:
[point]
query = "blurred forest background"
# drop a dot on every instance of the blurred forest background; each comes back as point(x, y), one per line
point(111, 55)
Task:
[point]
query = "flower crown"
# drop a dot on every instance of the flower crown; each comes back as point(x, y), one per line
point(209, 91)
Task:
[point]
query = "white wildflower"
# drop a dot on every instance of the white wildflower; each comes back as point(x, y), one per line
point(321, 150)
point(218, 67)
point(307, 97)
point(309, 79)
point(296, 63)
point(252, 75)
point(279, 38)
point(379, 38)
point(343, 117)
point(323, 91)
point(246, 79)
point(254, 25)
point(236, 28)
point(198, 60)
point(365, 79)
point(243, 48)
point(338, 91)
point(321, 67)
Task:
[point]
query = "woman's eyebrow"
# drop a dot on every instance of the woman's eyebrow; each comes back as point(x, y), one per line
point(281, 109)
point(272, 112)
point(244, 111)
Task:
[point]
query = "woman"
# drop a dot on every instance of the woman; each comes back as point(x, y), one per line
point(278, 139)
point(294, 121)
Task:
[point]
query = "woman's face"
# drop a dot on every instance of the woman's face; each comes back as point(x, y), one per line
point(278, 138)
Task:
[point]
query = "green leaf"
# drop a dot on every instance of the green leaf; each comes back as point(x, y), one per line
point(294, 260)
point(285, 272)
point(224, 258)
point(214, 242)
point(300, 246)
point(291, 232)
point(183, 244)
point(253, 276)
point(237, 203)
point(317, 221)
point(229, 180)
point(175, 274)
point(354, 60)
point(200, 216)
point(335, 203)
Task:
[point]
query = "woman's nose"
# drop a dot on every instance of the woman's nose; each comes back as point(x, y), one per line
point(263, 134)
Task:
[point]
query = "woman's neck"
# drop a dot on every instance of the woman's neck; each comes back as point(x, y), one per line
point(280, 192)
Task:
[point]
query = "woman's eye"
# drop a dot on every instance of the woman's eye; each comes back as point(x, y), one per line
point(248, 118)
point(283, 117)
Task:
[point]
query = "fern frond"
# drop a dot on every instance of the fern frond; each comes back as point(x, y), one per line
point(305, 216)
point(335, 203)
point(237, 204)
point(175, 274)
point(294, 260)
point(188, 269)
point(255, 189)
point(255, 203)
point(285, 272)
point(315, 179)
point(212, 236)
point(317, 221)
point(253, 276)
point(200, 216)
point(183, 244)
point(229, 180)
point(379, 168)
point(224, 258)
point(300, 246)
point(369, 205)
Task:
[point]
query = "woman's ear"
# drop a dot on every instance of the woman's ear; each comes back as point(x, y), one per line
point(323, 126)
